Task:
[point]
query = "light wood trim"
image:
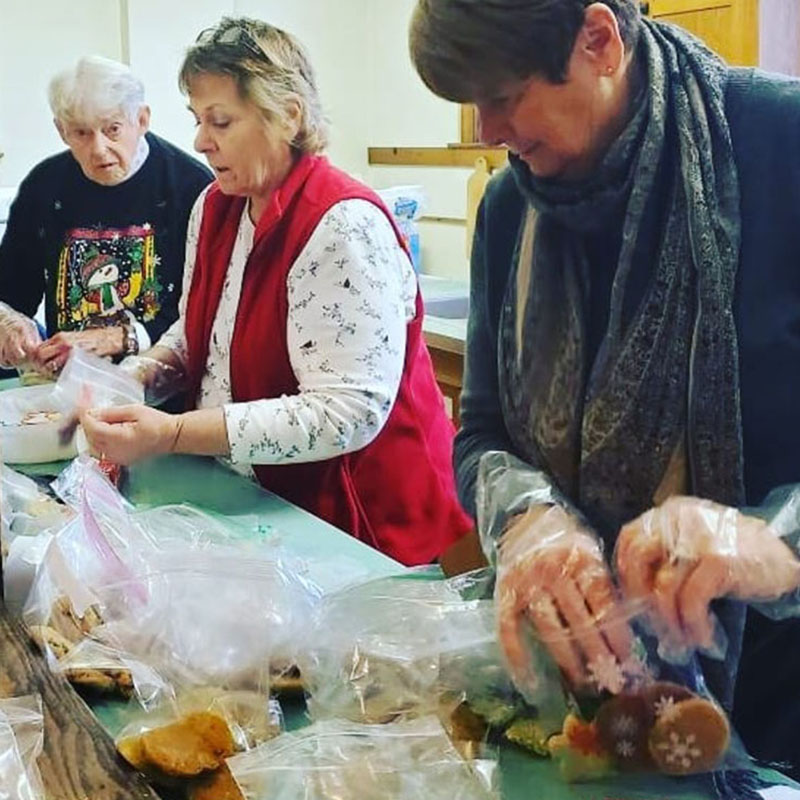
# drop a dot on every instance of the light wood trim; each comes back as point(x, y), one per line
point(660, 8)
point(469, 128)
point(496, 157)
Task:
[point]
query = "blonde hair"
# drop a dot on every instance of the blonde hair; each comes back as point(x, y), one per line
point(93, 88)
point(271, 70)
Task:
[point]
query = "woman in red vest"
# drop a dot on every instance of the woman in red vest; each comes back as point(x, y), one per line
point(300, 332)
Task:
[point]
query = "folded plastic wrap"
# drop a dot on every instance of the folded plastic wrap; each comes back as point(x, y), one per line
point(402, 646)
point(340, 760)
point(21, 742)
point(161, 381)
point(19, 337)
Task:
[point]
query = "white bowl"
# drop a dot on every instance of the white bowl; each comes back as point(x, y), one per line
point(30, 444)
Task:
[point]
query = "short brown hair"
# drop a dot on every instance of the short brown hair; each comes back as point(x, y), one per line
point(465, 49)
point(271, 69)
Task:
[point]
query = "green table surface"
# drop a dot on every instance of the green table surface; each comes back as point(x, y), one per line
point(208, 484)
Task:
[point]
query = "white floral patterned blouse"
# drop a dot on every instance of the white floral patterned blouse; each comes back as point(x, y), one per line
point(351, 293)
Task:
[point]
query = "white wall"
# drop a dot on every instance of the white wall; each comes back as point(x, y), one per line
point(158, 32)
point(37, 39)
point(402, 112)
point(370, 91)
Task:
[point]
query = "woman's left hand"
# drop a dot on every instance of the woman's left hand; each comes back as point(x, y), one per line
point(124, 434)
point(687, 552)
point(51, 355)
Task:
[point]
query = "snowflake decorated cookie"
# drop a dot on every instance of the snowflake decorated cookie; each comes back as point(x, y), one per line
point(691, 737)
point(623, 726)
point(662, 697)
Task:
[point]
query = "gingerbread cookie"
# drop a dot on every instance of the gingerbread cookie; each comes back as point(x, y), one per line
point(623, 726)
point(662, 697)
point(691, 738)
point(219, 785)
point(198, 743)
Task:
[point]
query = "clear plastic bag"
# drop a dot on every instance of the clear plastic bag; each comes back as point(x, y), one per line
point(88, 381)
point(642, 714)
point(339, 760)
point(403, 646)
point(161, 381)
point(27, 509)
point(21, 742)
point(212, 617)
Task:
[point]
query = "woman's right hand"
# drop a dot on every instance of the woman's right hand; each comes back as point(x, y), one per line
point(19, 337)
point(551, 575)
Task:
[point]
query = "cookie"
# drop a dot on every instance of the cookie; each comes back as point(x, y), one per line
point(40, 417)
point(466, 726)
point(48, 639)
point(578, 752)
point(219, 785)
point(691, 738)
point(198, 743)
point(623, 726)
point(102, 681)
point(662, 697)
point(66, 621)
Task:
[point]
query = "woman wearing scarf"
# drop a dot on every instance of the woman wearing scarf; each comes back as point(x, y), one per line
point(300, 327)
point(633, 346)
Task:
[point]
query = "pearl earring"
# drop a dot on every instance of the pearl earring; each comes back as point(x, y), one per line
point(609, 70)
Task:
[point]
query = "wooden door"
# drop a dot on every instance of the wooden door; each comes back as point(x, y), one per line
point(730, 27)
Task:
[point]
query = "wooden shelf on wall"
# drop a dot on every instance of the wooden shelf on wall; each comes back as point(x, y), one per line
point(455, 156)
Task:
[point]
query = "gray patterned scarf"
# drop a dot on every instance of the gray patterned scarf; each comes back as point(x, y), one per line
point(665, 374)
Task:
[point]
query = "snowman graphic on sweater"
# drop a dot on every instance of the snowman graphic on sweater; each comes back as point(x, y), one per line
point(100, 276)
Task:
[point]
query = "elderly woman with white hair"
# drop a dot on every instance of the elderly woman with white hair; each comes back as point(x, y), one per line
point(301, 323)
point(98, 231)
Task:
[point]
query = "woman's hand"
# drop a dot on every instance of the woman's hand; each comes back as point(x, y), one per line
point(552, 575)
point(687, 552)
point(52, 354)
point(125, 434)
point(19, 338)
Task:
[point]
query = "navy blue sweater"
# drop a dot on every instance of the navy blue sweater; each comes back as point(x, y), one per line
point(764, 117)
point(763, 113)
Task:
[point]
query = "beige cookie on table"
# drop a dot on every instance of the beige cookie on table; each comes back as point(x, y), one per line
point(691, 738)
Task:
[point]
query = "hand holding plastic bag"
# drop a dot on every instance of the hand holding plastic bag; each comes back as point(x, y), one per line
point(19, 337)
point(551, 574)
point(687, 552)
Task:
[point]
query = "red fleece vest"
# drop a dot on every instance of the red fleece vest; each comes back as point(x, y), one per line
point(396, 494)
